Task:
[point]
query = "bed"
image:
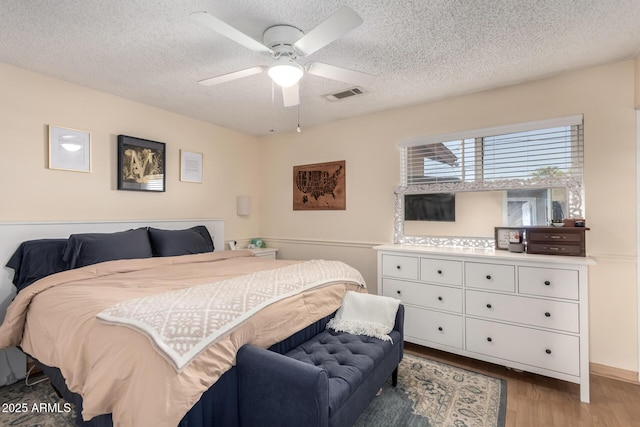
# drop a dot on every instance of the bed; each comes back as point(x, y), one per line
point(116, 374)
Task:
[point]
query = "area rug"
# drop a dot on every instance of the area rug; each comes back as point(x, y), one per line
point(428, 394)
point(434, 394)
point(34, 406)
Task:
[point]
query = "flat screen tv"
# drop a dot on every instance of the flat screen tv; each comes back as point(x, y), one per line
point(430, 207)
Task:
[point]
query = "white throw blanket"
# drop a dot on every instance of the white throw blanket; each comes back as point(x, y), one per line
point(182, 323)
point(364, 314)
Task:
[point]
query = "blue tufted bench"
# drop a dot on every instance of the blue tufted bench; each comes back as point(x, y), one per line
point(328, 380)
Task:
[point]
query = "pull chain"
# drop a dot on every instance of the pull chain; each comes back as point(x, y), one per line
point(273, 107)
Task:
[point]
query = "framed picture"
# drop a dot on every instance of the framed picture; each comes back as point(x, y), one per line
point(506, 235)
point(190, 166)
point(69, 149)
point(319, 186)
point(141, 164)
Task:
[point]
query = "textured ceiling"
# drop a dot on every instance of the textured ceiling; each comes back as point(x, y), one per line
point(150, 51)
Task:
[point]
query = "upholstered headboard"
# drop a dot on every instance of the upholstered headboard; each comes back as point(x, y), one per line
point(14, 233)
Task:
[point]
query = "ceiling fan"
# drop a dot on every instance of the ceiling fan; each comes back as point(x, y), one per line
point(285, 43)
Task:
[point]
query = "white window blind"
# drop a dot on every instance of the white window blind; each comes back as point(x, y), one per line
point(519, 152)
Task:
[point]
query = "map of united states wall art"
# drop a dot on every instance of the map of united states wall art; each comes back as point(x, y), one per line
point(319, 186)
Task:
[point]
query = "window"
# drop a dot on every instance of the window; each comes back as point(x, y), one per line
point(530, 155)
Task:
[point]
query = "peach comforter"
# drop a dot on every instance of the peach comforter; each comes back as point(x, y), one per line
point(116, 369)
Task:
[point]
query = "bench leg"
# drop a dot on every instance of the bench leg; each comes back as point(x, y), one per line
point(394, 377)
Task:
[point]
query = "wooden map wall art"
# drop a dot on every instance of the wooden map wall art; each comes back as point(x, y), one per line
point(319, 186)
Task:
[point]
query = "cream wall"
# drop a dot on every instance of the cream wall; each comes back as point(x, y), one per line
point(605, 95)
point(637, 82)
point(32, 192)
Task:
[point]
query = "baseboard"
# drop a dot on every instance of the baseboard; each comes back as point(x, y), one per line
point(613, 373)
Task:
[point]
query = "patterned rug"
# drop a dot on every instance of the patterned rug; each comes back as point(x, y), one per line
point(433, 394)
point(34, 406)
point(429, 394)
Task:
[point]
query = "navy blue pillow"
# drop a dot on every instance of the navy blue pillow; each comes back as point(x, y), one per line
point(194, 240)
point(35, 259)
point(92, 248)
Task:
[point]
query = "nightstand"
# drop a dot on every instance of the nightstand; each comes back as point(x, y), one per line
point(265, 252)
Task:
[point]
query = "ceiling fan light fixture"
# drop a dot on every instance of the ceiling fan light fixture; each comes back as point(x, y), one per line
point(285, 75)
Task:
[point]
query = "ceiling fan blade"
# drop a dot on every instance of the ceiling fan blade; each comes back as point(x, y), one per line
point(224, 29)
point(340, 74)
point(291, 95)
point(232, 76)
point(337, 25)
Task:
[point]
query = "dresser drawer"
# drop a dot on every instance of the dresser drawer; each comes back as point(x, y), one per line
point(548, 282)
point(402, 267)
point(547, 350)
point(550, 235)
point(559, 315)
point(433, 326)
point(555, 249)
point(497, 277)
point(424, 295)
point(441, 271)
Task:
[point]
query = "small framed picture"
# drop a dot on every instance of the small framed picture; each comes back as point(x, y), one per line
point(141, 164)
point(515, 236)
point(190, 166)
point(69, 149)
point(506, 235)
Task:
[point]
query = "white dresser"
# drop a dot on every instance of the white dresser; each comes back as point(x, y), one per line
point(524, 311)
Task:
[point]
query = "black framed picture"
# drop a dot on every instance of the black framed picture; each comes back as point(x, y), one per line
point(141, 164)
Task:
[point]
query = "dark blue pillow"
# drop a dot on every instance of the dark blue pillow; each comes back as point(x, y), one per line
point(194, 240)
point(92, 248)
point(35, 259)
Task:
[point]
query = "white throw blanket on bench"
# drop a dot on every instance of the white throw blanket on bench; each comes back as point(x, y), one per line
point(182, 323)
point(364, 314)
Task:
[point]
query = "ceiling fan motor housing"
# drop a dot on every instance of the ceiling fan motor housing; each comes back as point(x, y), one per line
point(281, 38)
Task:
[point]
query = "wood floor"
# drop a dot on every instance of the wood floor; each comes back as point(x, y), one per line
point(537, 401)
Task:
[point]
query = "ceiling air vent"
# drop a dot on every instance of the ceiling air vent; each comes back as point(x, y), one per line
point(344, 94)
